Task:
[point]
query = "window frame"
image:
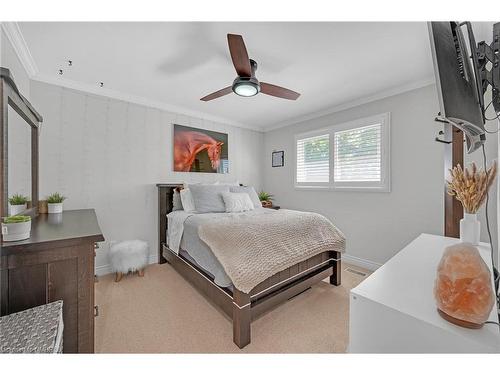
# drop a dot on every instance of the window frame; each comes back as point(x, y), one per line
point(383, 186)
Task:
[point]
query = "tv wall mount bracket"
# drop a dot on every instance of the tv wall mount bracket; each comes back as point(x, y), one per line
point(483, 55)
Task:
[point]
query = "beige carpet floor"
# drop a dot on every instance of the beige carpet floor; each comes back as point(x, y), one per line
point(163, 313)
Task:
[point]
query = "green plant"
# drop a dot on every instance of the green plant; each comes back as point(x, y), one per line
point(263, 196)
point(16, 219)
point(55, 198)
point(18, 199)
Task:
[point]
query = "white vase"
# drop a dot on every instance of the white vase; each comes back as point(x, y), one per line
point(16, 209)
point(55, 208)
point(16, 231)
point(470, 229)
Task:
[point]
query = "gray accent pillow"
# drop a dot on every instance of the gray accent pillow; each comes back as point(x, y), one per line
point(208, 198)
point(250, 191)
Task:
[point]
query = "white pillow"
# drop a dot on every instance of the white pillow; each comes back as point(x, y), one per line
point(235, 183)
point(187, 200)
point(237, 202)
point(176, 201)
point(250, 191)
point(186, 184)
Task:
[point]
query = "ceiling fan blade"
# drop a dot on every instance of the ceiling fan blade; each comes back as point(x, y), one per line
point(239, 55)
point(217, 94)
point(278, 91)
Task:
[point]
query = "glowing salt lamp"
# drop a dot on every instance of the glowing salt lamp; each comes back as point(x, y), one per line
point(463, 288)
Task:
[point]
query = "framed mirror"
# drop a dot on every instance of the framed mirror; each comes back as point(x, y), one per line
point(19, 130)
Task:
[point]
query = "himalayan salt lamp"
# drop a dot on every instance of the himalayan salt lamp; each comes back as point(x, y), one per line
point(463, 288)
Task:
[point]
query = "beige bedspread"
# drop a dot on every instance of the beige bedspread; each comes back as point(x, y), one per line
point(252, 248)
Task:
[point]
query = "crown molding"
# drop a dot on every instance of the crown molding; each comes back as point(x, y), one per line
point(354, 103)
point(118, 95)
point(16, 38)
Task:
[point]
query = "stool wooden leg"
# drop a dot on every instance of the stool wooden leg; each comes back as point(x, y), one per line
point(141, 272)
point(118, 276)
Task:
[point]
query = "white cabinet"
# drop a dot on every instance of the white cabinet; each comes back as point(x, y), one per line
point(394, 311)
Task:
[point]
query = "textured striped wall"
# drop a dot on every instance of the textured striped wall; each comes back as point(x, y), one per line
point(109, 154)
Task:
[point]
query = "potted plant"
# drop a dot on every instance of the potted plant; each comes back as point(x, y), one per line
point(266, 199)
point(16, 228)
point(18, 204)
point(55, 203)
point(470, 187)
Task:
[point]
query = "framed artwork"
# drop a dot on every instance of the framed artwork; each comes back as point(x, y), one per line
point(200, 150)
point(278, 158)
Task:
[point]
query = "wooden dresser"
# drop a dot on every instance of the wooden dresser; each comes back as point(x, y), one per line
point(56, 263)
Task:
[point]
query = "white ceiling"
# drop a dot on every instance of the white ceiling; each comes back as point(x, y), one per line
point(177, 63)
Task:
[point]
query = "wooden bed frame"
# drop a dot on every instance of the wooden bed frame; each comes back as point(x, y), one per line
point(241, 307)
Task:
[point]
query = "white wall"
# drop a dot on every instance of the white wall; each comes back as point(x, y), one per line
point(376, 225)
point(109, 154)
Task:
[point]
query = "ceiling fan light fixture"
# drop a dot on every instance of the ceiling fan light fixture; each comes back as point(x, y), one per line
point(246, 87)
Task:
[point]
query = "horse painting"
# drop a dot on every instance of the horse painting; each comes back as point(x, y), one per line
point(189, 143)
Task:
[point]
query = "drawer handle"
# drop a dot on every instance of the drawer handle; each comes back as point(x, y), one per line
point(96, 310)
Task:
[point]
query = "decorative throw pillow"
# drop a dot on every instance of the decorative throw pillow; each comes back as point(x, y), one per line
point(250, 191)
point(237, 202)
point(187, 200)
point(208, 198)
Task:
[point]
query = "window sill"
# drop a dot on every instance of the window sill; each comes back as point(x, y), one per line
point(359, 189)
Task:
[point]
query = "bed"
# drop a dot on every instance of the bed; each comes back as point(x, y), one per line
point(195, 261)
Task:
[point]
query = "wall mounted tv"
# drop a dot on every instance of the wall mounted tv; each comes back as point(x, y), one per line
point(462, 77)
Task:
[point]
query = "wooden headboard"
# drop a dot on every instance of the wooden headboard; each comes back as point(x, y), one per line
point(165, 206)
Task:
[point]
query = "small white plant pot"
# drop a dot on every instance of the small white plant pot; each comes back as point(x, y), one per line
point(16, 231)
point(55, 208)
point(470, 229)
point(16, 209)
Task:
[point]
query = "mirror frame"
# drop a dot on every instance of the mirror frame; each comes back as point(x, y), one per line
point(10, 96)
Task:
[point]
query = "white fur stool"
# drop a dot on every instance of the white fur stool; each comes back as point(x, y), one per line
point(128, 256)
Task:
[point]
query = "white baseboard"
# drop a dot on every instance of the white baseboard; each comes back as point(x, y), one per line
point(364, 263)
point(360, 262)
point(106, 268)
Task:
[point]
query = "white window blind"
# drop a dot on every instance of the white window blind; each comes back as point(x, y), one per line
point(357, 154)
point(313, 159)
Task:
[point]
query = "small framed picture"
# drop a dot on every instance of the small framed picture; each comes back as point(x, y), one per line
point(278, 158)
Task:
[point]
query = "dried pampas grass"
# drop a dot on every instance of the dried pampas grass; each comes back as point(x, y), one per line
point(471, 186)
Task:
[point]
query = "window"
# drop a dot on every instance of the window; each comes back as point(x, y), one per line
point(313, 159)
point(350, 156)
point(357, 154)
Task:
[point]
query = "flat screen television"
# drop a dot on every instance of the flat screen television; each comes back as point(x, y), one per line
point(460, 98)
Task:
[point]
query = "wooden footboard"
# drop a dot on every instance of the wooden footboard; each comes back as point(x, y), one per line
point(279, 288)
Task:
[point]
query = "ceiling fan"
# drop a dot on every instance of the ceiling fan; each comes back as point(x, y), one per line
point(246, 84)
